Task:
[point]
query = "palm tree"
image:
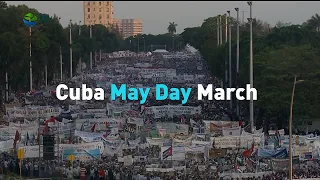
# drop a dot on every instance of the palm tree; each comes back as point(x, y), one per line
point(172, 27)
point(3, 5)
point(314, 21)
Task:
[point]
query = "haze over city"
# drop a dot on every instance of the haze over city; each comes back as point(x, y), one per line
point(156, 15)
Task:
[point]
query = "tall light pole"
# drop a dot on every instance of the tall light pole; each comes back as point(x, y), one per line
point(238, 55)
point(230, 71)
point(60, 58)
point(144, 44)
point(225, 62)
point(226, 28)
point(220, 20)
point(138, 43)
point(218, 28)
point(80, 61)
point(251, 69)
point(90, 32)
point(70, 34)
point(290, 126)
point(30, 56)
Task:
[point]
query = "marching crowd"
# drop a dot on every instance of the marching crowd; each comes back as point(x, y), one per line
point(109, 168)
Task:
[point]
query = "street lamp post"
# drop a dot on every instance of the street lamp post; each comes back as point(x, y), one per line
point(230, 72)
point(30, 56)
point(290, 126)
point(220, 20)
point(80, 61)
point(70, 41)
point(90, 34)
point(226, 27)
point(218, 28)
point(238, 56)
point(144, 44)
point(60, 58)
point(225, 62)
point(251, 68)
point(138, 43)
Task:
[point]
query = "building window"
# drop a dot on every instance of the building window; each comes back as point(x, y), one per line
point(107, 9)
point(94, 9)
point(88, 9)
point(107, 3)
point(99, 9)
point(100, 22)
point(88, 16)
point(94, 3)
point(99, 3)
point(108, 16)
point(88, 3)
point(100, 17)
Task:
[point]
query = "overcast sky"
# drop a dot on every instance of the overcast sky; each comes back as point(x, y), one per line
point(156, 15)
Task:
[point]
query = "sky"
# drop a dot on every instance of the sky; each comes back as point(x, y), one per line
point(156, 15)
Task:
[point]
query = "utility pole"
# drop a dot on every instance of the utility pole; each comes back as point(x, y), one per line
point(100, 55)
point(30, 56)
point(60, 58)
point(225, 62)
point(251, 69)
point(70, 32)
point(238, 56)
point(226, 28)
point(230, 71)
point(80, 58)
point(220, 20)
point(90, 27)
point(60, 64)
point(218, 28)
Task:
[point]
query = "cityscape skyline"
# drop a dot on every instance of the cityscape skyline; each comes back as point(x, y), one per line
point(156, 15)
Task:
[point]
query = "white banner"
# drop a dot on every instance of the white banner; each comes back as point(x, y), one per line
point(6, 145)
point(234, 131)
point(235, 141)
point(195, 149)
point(113, 108)
point(111, 151)
point(87, 124)
point(84, 134)
point(170, 110)
point(36, 112)
point(155, 141)
point(175, 154)
point(33, 151)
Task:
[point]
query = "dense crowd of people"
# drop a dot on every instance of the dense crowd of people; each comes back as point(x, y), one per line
point(194, 167)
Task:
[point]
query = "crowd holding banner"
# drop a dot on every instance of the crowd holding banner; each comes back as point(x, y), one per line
point(158, 140)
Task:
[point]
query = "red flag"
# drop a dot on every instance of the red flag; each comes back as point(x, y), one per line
point(182, 119)
point(107, 124)
point(93, 127)
point(248, 152)
point(16, 139)
point(38, 137)
point(46, 129)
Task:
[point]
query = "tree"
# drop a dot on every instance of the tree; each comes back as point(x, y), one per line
point(314, 22)
point(172, 28)
point(46, 39)
point(286, 51)
point(3, 5)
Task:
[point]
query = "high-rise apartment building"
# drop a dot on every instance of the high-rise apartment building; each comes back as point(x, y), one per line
point(128, 27)
point(98, 12)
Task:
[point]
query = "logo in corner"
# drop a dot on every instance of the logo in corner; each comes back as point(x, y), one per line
point(30, 19)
